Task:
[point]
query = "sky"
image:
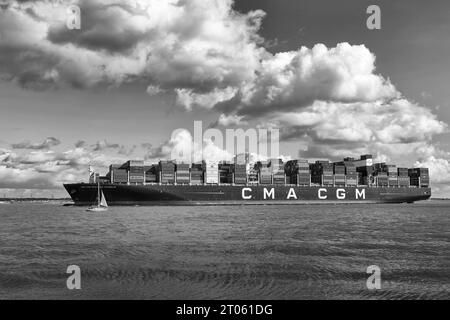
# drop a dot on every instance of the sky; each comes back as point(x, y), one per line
point(135, 71)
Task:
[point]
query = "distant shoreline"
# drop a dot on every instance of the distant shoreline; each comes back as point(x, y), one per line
point(33, 199)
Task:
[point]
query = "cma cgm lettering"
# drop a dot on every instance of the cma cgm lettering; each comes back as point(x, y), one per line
point(270, 193)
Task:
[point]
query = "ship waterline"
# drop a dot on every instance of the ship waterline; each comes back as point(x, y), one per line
point(159, 194)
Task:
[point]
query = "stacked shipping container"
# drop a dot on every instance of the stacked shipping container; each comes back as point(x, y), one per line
point(135, 171)
point(317, 172)
point(166, 172)
point(197, 173)
point(151, 174)
point(265, 174)
point(403, 177)
point(298, 172)
point(118, 174)
point(392, 175)
point(182, 173)
point(419, 177)
point(351, 175)
point(339, 174)
point(277, 171)
point(225, 172)
point(241, 168)
point(327, 174)
point(252, 174)
point(380, 174)
point(382, 179)
point(240, 173)
point(211, 172)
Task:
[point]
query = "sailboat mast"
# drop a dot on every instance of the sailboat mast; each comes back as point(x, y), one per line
point(98, 194)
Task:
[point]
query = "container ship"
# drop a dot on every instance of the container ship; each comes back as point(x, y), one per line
point(241, 182)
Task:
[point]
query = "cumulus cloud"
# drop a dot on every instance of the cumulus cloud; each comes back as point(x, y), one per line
point(391, 122)
point(37, 169)
point(18, 178)
point(189, 99)
point(193, 45)
point(290, 80)
point(46, 144)
point(45, 168)
point(229, 121)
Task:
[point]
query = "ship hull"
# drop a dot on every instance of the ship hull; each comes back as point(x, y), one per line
point(84, 194)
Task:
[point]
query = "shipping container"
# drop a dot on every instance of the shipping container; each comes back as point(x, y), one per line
point(364, 161)
point(150, 177)
point(419, 181)
point(418, 172)
point(240, 180)
point(134, 163)
point(182, 166)
point(403, 181)
point(402, 172)
point(261, 165)
point(241, 168)
point(393, 182)
point(391, 168)
point(366, 171)
point(115, 167)
point(339, 169)
point(119, 176)
point(301, 179)
point(294, 166)
point(241, 158)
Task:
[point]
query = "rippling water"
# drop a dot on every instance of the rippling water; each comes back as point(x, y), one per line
point(237, 252)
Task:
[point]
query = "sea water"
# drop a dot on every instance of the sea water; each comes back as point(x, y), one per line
point(226, 252)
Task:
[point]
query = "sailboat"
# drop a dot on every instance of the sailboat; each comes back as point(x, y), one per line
point(102, 205)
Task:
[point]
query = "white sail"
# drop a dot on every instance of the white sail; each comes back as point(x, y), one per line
point(103, 202)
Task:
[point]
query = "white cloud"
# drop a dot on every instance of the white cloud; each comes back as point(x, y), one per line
point(290, 80)
point(439, 169)
point(196, 45)
point(394, 121)
point(231, 120)
point(49, 169)
point(154, 90)
point(188, 99)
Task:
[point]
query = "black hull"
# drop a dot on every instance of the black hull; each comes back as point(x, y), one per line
point(85, 194)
